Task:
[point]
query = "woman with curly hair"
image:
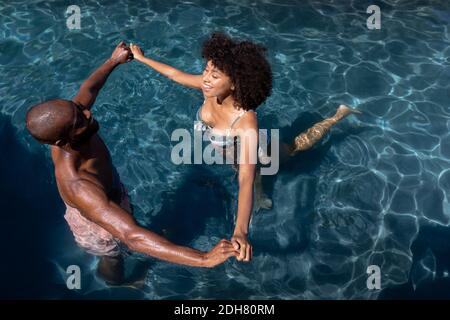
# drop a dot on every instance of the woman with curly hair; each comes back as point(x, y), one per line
point(236, 80)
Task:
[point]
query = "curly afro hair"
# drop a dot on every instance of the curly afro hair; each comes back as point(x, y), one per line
point(245, 63)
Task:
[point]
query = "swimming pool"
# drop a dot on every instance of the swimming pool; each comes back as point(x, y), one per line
point(374, 193)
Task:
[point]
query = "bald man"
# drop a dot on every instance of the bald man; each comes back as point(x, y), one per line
point(98, 211)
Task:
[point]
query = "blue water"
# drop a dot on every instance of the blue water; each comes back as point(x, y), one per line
point(375, 193)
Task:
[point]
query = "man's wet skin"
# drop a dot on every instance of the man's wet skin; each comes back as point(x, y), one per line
point(92, 162)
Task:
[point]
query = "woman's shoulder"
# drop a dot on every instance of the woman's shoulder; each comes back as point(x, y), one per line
point(248, 120)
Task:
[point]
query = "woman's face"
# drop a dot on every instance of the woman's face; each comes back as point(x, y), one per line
point(215, 82)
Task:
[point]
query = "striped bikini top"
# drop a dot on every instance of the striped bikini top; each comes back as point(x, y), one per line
point(215, 138)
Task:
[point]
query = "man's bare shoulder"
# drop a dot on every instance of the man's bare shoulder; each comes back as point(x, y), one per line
point(82, 193)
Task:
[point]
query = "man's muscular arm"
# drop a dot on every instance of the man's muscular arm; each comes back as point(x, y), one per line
point(93, 203)
point(90, 88)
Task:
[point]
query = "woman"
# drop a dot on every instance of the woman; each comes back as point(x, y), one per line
point(236, 80)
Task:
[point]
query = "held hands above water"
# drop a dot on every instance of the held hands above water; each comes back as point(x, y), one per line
point(124, 53)
point(136, 51)
point(121, 53)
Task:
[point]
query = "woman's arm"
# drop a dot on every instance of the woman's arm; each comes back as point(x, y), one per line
point(186, 79)
point(247, 168)
point(245, 206)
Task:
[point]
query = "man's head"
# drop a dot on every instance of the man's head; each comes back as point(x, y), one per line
point(61, 122)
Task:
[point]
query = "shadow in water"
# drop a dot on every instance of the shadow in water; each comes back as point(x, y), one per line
point(30, 208)
point(434, 240)
point(185, 212)
point(295, 231)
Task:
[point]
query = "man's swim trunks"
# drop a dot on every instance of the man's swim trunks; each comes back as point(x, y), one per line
point(90, 236)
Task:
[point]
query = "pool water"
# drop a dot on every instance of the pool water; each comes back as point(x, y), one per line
point(375, 192)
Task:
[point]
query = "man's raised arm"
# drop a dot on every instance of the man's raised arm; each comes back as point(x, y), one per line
point(95, 206)
point(90, 88)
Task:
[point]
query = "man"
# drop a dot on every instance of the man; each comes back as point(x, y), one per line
point(98, 211)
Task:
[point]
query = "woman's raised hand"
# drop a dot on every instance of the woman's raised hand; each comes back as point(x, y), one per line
point(137, 51)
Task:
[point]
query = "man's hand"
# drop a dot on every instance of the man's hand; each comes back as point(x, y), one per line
point(221, 252)
point(90, 88)
point(136, 51)
point(121, 53)
point(244, 248)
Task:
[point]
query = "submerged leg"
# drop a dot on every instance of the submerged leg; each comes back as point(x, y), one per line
point(111, 269)
point(262, 201)
point(307, 139)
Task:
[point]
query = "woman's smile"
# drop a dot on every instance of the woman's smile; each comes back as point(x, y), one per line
point(206, 87)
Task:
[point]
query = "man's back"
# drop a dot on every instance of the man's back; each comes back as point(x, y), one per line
point(93, 164)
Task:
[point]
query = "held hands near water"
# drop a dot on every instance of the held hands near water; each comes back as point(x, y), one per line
point(137, 51)
point(121, 54)
point(240, 242)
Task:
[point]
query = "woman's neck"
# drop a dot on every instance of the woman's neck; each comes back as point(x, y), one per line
point(226, 102)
